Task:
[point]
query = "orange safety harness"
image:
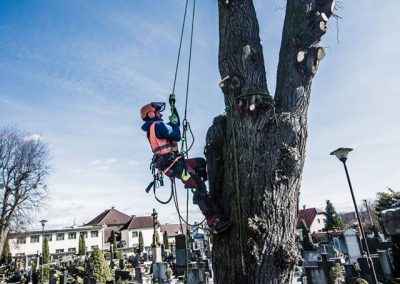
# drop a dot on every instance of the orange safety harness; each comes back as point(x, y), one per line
point(160, 146)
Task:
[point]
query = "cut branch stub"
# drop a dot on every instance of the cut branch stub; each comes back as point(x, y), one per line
point(320, 53)
point(301, 55)
point(233, 82)
point(313, 55)
point(322, 26)
point(324, 17)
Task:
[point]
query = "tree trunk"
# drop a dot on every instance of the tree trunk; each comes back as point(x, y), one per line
point(3, 238)
point(255, 154)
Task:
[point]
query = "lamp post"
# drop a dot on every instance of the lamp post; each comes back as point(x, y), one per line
point(341, 154)
point(43, 222)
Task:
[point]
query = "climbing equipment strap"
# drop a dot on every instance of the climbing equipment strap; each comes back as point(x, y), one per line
point(237, 187)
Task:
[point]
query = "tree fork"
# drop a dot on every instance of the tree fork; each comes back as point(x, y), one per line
point(270, 137)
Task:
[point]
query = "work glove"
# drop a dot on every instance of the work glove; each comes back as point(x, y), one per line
point(172, 100)
point(173, 119)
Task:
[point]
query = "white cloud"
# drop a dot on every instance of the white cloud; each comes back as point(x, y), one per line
point(34, 137)
point(95, 162)
point(103, 162)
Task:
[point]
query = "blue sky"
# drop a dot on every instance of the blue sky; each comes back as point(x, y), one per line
point(77, 73)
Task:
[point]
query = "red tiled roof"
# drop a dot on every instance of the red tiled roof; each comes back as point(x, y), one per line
point(308, 215)
point(110, 217)
point(138, 223)
point(172, 229)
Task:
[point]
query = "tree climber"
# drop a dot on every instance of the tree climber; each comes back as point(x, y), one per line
point(163, 138)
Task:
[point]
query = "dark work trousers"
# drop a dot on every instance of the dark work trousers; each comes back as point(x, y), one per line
point(193, 174)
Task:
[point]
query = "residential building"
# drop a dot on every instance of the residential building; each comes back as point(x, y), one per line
point(97, 232)
point(130, 231)
point(65, 240)
point(112, 220)
point(315, 219)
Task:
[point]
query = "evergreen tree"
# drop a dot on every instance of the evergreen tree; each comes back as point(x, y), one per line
point(333, 220)
point(101, 270)
point(387, 200)
point(307, 243)
point(46, 253)
point(141, 242)
point(165, 240)
point(82, 245)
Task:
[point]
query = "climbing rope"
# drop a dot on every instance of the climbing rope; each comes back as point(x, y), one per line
point(237, 189)
point(180, 46)
point(162, 202)
point(185, 124)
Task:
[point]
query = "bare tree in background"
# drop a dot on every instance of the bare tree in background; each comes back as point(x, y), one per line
point(23, 171)
point(255, 154)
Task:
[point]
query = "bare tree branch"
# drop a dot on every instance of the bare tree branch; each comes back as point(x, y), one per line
point(24, 169)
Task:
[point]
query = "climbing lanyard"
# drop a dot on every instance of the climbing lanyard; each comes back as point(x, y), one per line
point(236, 182)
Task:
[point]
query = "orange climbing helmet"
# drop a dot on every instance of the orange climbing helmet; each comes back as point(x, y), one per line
point(149, 111)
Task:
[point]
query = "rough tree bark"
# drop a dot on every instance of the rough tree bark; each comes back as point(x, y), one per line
point(255, 153)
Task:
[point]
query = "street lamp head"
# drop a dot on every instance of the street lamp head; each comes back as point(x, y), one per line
point(43, 222)
point(342, 153)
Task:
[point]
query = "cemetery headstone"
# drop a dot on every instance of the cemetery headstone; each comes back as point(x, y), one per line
point(386, 264)
point(180, 251)
point(122, 275)
point(160, 271)
point(121, 264)
point(196, 275)
point(138, 274)
point(64, 277)
point(52, 277)
point(353, 244)
point(90, 280)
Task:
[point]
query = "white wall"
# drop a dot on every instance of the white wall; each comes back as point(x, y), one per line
point(127, 236)
point(319, 223)
point(54, 244)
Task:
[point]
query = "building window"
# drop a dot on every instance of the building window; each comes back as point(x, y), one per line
point(72, 236)
point(60, 236)
point(34, 238)
point(94, 234)
point(84, 234)
point(134, 234)
point(93, 247)
point(72, 249)
point(49, 237)
point(59, 250)
point(21, 240)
